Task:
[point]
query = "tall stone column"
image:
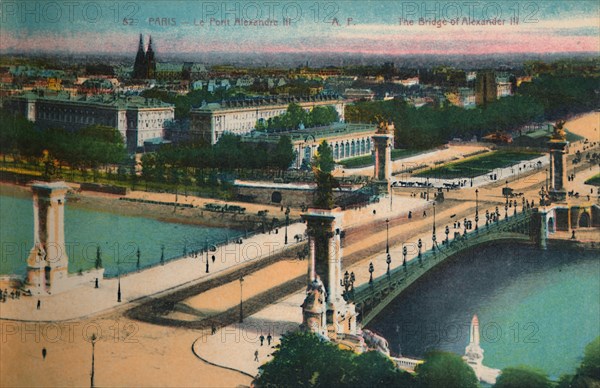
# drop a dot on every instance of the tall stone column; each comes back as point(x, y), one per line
point(325, 271)
point(382, 143)
point(558, 147)
point(48, 263)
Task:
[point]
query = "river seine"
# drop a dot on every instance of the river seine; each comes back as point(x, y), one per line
point(118, 237)
point(537, 308)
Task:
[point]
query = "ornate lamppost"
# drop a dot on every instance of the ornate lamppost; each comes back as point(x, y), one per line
point(433, 237)
point(93, 340)
point(447, 231)
point(404, 251)
point(352, 280)
point(476, 209)
point(287, 221)
point(387, 236)
point(118, 280)
point(345, 282)
point(206, 249)
point(241, 300)
point(420, 245)
point(371, 270)
point(388, 260)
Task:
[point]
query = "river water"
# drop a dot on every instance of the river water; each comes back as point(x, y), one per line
point(118, 236)
point(538, 308)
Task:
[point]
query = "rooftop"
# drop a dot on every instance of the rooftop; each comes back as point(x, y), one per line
point(103, 100)
point(265, 101)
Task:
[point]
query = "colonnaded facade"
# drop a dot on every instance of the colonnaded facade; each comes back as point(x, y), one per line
point(138, 119)
point(239, 117)
point(346, 141)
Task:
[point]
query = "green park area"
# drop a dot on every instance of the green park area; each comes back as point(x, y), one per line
point(367, 160)
point(478, 165)
point(594, 181)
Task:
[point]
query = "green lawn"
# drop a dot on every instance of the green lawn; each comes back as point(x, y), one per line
point(478, 165)
point(594, 181)
point(367, 160)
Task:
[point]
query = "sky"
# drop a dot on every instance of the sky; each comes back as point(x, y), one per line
point(386, 27)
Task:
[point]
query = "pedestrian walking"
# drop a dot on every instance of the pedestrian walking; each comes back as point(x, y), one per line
point(39, 304)
point(269, 338)
point(213, 258)
point(256, 355)
point(262, 339)
point(44, 352)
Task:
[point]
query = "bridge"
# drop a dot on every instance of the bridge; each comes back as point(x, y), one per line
point(372, 297)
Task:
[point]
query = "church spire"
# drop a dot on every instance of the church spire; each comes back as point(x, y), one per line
point(150, 61)
point(139, 67)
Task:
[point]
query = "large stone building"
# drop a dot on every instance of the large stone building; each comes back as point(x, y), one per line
point(239, 117)
point(346, 141)
point(138, 119)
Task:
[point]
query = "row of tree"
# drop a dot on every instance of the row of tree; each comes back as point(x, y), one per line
point(296, 117)
point(305, 360)
point(230, 154)
point(93, 147)
point(545, 98)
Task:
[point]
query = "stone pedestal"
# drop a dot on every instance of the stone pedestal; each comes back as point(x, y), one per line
point(48, 264)
point(325, 272)
point(382, 143)
point(558, 169)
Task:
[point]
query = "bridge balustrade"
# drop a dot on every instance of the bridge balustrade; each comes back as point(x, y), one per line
point(371, 298)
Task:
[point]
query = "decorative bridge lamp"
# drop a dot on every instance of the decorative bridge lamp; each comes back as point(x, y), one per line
point(387, 236)
point(345, 282)
point(476, 209)
point(352, 280)
point(506, 211)
point(420, 245)
point(404, 251)
point(447, 231)
point(487, 218)
point(388, 260)
point(433, 238)
point(287, 221)
point(371, 270)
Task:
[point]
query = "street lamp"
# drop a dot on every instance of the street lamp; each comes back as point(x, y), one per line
point(447, 231)
point(138, 254)
point(388, 260)
point(206, 248)
point(506, 211)
point(420, 245)
point(241, 300)
point(287, 221)
point(404, 251)
point(118, 280)
point(93, 339)
point(476, 209)
point(345, 282)
point(371, 270)
point(352, 280)
point(433, 238)
point(387, 236)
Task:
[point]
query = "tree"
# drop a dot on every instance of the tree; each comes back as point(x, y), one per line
point(305, 360)
point(522, 376)
point(590, 366)
point(442, 369)
point(284, 154)
point(323, 165)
